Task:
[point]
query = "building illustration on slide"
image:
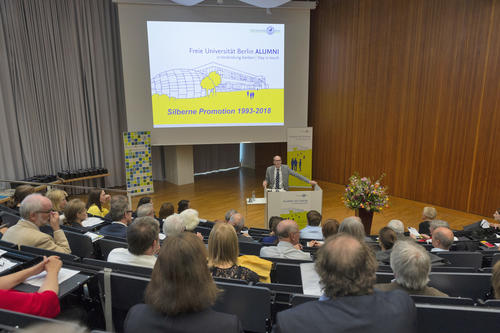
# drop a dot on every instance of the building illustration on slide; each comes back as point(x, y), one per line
point(187, 83)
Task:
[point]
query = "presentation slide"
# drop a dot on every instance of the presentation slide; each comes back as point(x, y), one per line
point(206, 74)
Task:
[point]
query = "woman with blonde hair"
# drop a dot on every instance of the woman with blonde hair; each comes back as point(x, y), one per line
point(58, 198)
point(181, 292)
point(223, 251)
point(75, 213)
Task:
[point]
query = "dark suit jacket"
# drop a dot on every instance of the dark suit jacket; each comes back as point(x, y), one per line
point(142, 318)
point(386, 312)
point(115, 230)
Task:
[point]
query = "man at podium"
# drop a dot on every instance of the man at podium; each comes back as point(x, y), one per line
point(277, 176)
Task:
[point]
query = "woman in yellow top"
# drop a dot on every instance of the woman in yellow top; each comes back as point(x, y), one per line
point(96, 201)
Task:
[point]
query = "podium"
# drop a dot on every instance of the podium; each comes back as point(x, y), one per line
point(293, 205)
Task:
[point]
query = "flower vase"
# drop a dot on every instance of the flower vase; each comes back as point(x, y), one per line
point(366, 217)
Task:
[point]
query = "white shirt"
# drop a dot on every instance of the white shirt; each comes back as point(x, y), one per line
point(123, 256)
point(274, 179)
point(437, 249)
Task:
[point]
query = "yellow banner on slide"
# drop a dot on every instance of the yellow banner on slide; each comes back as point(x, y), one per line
point(259, 107)
point(301, 162)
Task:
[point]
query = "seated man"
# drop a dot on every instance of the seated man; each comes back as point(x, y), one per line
point(173, 225)
point(346, 267)
point(273, 224)
point(288, 246)
point(143, 244)
point(442, 239)
point(36, 211)
point(411, 265)
point(121, 214)
point(238, 222)
point(313, 229)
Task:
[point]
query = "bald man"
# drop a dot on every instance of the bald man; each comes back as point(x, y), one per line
point(442, 239)
point(277, 176)
point(36, 211)
point(288, 247)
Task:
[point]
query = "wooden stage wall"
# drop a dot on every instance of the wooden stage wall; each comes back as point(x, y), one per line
point(214, 194)
point(412, 89)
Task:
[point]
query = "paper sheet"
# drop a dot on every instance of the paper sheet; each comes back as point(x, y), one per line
point(64, 274)
point(91, 221)
point(2, 252)
point(6, 264)
point(162, 236)
point(93, 236)
point(310, 280)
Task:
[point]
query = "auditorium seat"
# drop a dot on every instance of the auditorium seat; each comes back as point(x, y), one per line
point(495, 259)
point(442, 300)
point(106, 245)
point(471, 285)
point(301, 299)
point(463, 258)
point(17, 320)
point(8, 218)
point(287, 274)
point(43, 252)
point(80, 244)
point(492, 303)
point(204, 231)
point(99, 265)
point(249, 248)
point(449, 318)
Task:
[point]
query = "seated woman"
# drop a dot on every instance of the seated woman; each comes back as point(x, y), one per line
point(96, 201)
point(386, 239)
point(181, 292)
point(223, 253)
point(166, 210)
point(142, 201)
point(75, 213)
point(58, 199)
point(182, 205)
point(45, 302)
point(21, 192)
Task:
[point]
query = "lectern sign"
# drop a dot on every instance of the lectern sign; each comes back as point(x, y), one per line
point(138, 166)
point(299, 154)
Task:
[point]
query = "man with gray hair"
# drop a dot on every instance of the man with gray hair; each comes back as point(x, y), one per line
point(36, 211)
point(289, 243)
point(238, 222)
point(346, 268)
point(411, 265)
point(121, 214)
point(398, 227)
point(352, 225)
point(229, 213)
point(173, 225)
point(442, 239)
point(146, 210)
point(143, 243)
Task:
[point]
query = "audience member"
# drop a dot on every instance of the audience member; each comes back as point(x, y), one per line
point(229, 213)
point(121, 215)
point(96, 201)
point(58, 198)
point(411, 265)
point(182, 205)
point(223, 251)
point(190, 218)
point(173, 225)
point(352, 226)
point(289, 246)
point(166, 210)
point(21, 192)
point(398, 227)
point(386, 239)
point(143, 244)
point(181, 292)
point(495, 280)
point(330, 228)
point(75, 213)
point(36, 211)
point(346, 267)
point(238, 222)
point(273, 224)
point(146, 209)
point(442, 239)
point(313, 229)
point(428, 214)
point(45, 302)
point(142, 201)
point(496, 218)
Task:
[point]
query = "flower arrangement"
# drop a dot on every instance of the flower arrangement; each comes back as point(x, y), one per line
point(361, 192)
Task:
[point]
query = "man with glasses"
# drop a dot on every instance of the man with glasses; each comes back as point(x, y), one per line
point(277, 176)
point(121, 214)
point(36, 211)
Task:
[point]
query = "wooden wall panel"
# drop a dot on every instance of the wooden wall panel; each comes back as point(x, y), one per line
point(397, 87)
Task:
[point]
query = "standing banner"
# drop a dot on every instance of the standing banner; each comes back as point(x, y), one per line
point(299, 154)
point(138, 166)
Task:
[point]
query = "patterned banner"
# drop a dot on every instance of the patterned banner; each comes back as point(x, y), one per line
point(138, 166)
point(299, 154)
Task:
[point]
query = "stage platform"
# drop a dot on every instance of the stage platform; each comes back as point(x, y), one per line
point(213, 194)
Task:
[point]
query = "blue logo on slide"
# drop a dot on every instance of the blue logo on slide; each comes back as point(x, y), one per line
point(270, 30)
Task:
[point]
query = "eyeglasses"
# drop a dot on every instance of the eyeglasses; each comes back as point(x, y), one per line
point(45, 211)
